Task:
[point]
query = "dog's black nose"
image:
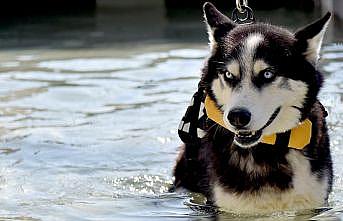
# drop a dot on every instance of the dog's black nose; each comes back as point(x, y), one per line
point(239, 117)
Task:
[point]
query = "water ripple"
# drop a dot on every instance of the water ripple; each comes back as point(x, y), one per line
point(92, 64)
point(96, 136)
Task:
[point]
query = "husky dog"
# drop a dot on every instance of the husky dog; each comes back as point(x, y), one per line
point(264, 81)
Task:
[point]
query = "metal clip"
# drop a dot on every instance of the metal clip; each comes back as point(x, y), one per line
point(242, 14)
point(239, 5)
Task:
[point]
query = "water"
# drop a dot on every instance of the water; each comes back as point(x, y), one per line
point(88, 132)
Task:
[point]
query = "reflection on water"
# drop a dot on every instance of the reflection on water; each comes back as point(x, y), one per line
point(90, 133)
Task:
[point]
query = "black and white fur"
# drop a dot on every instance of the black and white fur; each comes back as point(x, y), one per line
point(261, 68)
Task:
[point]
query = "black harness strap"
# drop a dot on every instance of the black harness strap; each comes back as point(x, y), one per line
point(282, 139)
point(193, 124)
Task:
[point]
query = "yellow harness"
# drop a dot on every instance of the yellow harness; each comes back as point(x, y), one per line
point(300, 135)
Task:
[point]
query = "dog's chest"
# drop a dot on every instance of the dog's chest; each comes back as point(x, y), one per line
point(307, 191)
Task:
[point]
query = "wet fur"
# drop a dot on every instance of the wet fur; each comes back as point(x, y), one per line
point(262, 178)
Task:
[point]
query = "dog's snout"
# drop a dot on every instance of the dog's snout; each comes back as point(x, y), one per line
point(239, 117)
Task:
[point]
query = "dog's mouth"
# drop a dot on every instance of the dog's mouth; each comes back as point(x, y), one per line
point(246, 138)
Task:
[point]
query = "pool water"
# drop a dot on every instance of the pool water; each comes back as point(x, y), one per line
point(90, 133)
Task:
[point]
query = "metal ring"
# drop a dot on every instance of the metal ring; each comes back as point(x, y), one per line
point(239, 5)
point(244, 17)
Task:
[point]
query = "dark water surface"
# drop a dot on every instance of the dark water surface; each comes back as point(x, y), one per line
point(89, 107)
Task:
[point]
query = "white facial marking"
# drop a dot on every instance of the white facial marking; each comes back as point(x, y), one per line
point(221, 91)
point(229, 98)
point(286, 98)
point(259, 66)
point(249, 49)
point(308, 192)
point(222, 81)
point(263, 102)
point(233, 68)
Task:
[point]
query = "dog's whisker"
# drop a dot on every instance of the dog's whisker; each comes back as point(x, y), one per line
point(219, 62)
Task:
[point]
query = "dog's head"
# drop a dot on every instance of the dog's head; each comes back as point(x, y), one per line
point(262, 77)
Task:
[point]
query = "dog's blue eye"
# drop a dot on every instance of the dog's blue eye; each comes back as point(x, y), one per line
point(229, 75)
point(268, 74)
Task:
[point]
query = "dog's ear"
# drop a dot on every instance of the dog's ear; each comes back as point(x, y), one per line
point(214, 19)
point(309, 38)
